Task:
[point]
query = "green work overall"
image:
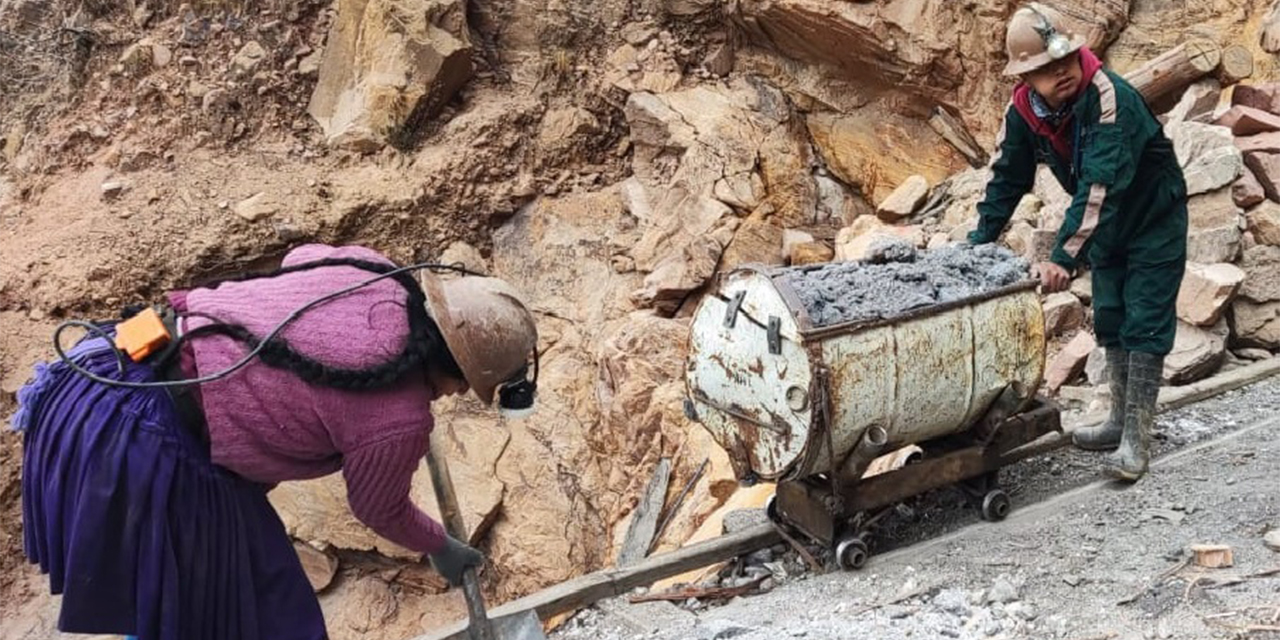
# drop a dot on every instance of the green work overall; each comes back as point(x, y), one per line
point(1128, 216)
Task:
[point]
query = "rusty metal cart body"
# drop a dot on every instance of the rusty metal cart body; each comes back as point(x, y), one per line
point(811, 407)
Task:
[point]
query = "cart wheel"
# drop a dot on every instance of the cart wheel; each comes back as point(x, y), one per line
point(995, 505)
point(852, 553)
point(771, 509)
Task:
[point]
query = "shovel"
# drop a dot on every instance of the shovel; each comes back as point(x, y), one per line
point(516, 626)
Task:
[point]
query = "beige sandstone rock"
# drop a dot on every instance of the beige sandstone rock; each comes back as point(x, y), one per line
point(1247, 121)
point(1264, 223)
point(1256, 325)
point(873, 151)
point(1082, 286)
point(1247, 191)
point(319, 566)
point(1070, 361)
point(1197, 353)
point(793, 237)
point(1207, 291)
point(1208, 155)
point(737, 148)
point(1266, 168)
point(1213, 228)
point(248, 58)
point(811, 253)
point(1197, 103)
point(933, 49)
point(1265, 97)
point(852, 242)
point(466, 255)
point(385, 61)
point(561, 125)
point(1063, 313)
point(1261, 266)
point(905, 200)
point(259, 206)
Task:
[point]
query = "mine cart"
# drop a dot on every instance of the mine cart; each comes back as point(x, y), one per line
point(810, 407)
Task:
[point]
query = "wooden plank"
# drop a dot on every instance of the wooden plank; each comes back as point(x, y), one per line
point(1173, 70)
point(926, 475)
point(710, 593)
point(952, 130)
point(644, 523)
point(1175, 397)
point(608, 583)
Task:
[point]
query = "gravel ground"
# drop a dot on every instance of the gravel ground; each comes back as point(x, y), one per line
point(1072, 549)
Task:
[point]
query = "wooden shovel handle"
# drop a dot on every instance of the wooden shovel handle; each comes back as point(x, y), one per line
point(451, 514)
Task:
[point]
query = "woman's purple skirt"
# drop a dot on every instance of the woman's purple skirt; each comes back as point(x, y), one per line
point(137, 528)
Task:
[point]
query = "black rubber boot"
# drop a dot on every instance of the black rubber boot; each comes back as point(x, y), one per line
point(1129, 462)
point(1106, 436)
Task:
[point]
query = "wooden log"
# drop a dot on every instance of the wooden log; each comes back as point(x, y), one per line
point(1175, 69)
point(1212, 556)
point(645, 521)
point(1236, 65)
point(608, 583)
point(952, 130)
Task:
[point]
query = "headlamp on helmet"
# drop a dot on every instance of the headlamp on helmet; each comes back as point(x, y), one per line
point(1057, 45)
point(517, 395)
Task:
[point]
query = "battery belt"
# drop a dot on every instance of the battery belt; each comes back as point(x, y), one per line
point(167, 363)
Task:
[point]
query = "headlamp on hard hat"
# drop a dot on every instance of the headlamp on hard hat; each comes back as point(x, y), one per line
point(516, 397)
point(1057, 45)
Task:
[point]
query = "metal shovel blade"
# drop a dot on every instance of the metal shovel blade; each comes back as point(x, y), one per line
point(516, 626)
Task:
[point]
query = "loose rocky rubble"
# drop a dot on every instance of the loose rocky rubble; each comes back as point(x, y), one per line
point(895, 280)
point(1000, 588)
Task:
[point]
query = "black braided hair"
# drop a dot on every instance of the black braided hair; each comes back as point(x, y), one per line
point(424, 347)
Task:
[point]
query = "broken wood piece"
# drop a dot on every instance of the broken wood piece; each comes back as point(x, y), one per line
point(680, 594)
point(1173, 70)
point(1212, 556)
point(644, 522)
point(918, 591)
point(675, 506)
point(1236, 65)
point(952, 130)
point(804, 553)
point(1164, 575)
point(712, 528)
point(1174, 516)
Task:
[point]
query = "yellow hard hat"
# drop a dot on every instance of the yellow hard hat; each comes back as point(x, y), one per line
point(1037, 36)
point(488, 329)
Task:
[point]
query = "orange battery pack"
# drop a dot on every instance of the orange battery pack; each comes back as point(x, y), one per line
point(142, 335)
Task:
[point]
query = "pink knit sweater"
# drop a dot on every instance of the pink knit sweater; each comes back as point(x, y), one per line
point(269, 426)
